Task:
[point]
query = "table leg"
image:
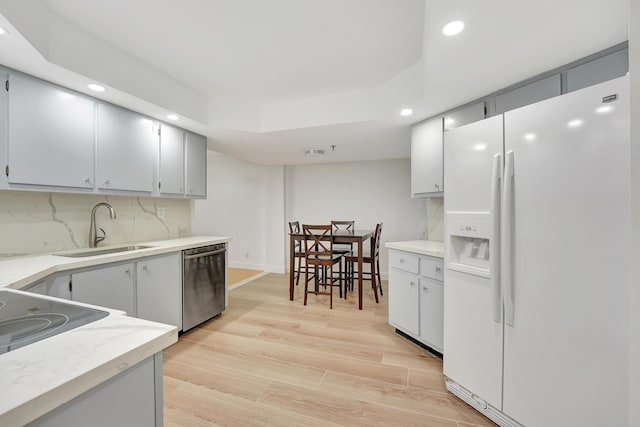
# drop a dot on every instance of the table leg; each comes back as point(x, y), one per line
point(291, 265)
point(360, 274)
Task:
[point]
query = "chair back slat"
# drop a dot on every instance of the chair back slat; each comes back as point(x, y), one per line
point(343, 225)
point(375, 243)
point(318, 239)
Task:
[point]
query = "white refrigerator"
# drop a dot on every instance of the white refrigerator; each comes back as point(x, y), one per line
point(536, 254)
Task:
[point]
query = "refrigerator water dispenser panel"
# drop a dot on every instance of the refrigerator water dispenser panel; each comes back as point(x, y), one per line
point(469, 246)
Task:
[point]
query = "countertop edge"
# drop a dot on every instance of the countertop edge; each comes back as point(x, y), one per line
point(420, 247)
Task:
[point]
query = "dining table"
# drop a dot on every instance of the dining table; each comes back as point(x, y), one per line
point(357, 237)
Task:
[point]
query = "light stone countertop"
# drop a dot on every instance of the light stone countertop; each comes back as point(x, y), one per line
point(44, 375)
point(18, 272)
point(421, 247)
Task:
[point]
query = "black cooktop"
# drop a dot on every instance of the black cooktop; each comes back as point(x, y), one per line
point(25, 319)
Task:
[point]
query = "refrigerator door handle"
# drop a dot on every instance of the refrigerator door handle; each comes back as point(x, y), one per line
point(494, 243)
point(506, 237)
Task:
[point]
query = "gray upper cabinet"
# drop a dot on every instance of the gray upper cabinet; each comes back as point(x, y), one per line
point(127, 149)
point(608, 67)
point(463, 116)
point(171, 160)
point(51, 135)
point(196, 149)
point(426, 158)
point(525, 95)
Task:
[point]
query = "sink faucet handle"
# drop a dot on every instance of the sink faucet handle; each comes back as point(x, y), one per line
point(101, 238)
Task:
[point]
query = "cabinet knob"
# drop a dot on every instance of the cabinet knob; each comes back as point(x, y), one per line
point(438, 269)
point(401, 260)
point(425, 289)
point(106, 182)
point(412, 284)
point(127, 272)
point(145, 268)
point(87, 181)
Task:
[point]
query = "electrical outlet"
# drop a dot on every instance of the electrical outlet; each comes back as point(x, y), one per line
point(161, 213)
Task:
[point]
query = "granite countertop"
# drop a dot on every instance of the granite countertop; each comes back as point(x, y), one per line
point(44, 375)
point(421, 247)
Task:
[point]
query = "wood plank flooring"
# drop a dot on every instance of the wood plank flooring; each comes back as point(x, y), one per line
point(270, 361)
point(235, 275)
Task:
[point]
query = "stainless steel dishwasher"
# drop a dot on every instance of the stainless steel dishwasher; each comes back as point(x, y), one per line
point(203, 284)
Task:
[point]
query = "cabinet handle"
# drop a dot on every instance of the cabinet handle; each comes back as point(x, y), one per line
point(145, 269)
point(127, 272)
point(106, 182)
point(87, 181)
point(401, 260)
point(413, 284)
point(438, 187)
point(425, 289)
point(438, 269)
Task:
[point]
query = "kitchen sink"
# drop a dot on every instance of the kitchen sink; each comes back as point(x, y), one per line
point(106, 251)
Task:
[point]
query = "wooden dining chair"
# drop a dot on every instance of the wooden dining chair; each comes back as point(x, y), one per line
point(318, 248)
point(372, 259)
point(343, 248)
point(299, 265)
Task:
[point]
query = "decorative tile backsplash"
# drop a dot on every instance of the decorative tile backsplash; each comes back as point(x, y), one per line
point(33, 222)
point(436, 219)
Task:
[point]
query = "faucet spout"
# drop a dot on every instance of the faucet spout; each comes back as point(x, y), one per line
point(94, 239)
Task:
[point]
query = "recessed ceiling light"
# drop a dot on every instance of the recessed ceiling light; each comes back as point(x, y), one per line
point(453, 28)
point(3, 32)
point(172, 117)
point(406, 112)
point(530, 137)
point(96, 87)
point(481, 146)
point(314, 152)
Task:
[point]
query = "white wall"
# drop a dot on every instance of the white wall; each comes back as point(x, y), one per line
point(634, 282)
point(244, 201)
point(366, 192)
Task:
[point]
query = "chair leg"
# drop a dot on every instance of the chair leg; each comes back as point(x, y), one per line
point(330, 288)
point(373, 282)
point(306, 285)
point(379, 279)
point(298, 270)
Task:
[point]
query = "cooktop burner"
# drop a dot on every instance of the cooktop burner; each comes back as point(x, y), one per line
point(25, 319)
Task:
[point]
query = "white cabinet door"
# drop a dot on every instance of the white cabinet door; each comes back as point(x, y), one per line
point(51, 135)
point(196, 149)
point(431, 312)
point(159, 289)
point(127, 149)
point(404, 301)
point(111, 287)
point(54, 286)
point(171, 160)
point(426, 158)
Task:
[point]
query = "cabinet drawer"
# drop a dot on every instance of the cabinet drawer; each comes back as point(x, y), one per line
point(432, 268)
point(404, 261)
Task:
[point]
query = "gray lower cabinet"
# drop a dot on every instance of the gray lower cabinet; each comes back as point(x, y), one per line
point(416, 297)
point(111, 287)
point(58, 286)
point(150, 288)
point(131, 399)
point(159, 289)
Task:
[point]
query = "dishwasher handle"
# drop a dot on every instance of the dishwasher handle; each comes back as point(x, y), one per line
point(203, 254)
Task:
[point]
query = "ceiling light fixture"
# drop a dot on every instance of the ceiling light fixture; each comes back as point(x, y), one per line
point(314, 152)
point(406, 112)
point(453, 28)
point(96, 87)
point(530, 137)
point(172, 117)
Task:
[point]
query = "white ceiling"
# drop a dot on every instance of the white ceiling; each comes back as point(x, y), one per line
point(267, 79)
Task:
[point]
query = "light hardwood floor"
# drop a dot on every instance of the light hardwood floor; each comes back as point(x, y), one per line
point(235, 275)
point(270, 361)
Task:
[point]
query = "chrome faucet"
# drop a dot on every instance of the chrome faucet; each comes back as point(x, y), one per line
point(94, 239)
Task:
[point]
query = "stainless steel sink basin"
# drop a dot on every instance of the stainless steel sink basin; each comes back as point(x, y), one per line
point(95, 252)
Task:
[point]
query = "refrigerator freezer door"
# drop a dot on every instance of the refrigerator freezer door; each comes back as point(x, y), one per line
point(565, 357)
point(472, 337)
